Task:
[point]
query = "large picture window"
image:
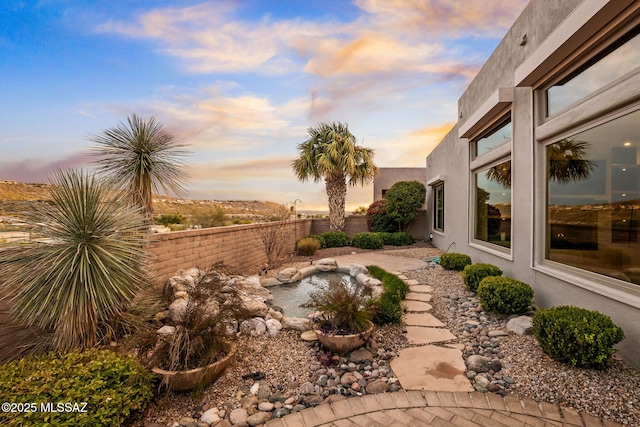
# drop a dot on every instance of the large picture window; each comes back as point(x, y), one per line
point(500, 134)
point(593, 199)
point(493, 204)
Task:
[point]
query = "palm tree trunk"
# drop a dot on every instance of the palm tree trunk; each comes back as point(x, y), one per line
point(337, 193)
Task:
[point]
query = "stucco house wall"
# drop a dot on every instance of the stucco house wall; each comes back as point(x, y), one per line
point(549, 36)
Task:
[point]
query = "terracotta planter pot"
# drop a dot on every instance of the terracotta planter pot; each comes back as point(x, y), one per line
point(344, 343)
point(182, 381)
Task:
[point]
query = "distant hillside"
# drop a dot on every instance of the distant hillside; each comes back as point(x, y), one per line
point(17, 197)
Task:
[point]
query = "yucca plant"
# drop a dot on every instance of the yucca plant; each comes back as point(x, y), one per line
point(86, 268)
point(141, 157)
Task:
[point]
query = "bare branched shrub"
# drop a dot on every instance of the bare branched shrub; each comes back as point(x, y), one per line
point(273, 235)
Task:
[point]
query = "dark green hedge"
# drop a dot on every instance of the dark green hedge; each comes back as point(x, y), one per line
point(504, 295)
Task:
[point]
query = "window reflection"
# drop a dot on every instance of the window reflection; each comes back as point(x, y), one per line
point(493, 205)
point(593, 208)
point(498, 136)
point(615, 62)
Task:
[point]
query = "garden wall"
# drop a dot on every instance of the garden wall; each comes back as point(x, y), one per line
point(237, 246)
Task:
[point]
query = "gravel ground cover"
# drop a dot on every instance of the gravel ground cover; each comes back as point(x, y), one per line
point(526, 372)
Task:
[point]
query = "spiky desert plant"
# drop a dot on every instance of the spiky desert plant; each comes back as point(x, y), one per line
point(86, 268)
point(331, 152)
point(142, 157)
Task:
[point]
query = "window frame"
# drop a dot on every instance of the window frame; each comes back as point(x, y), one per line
point(496, 156)
point(438, 188)
point(610, 102)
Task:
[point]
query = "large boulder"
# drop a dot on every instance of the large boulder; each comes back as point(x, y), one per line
point(273, 327)
point(295, 323)
point(250, 307)
point(255, 290)
point(177, 310)
point(289, 275)
point(520, 325)
point(478, 363)
point(356, 269)
point(253, 327)
point(327, 264)
point(309, 271)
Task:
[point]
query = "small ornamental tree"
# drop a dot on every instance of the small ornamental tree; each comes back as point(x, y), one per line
point(404, 199)
point(378, 220)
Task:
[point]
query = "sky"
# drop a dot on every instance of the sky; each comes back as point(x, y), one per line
point(239, 82)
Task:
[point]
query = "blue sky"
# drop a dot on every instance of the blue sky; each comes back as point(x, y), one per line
point(239, 82)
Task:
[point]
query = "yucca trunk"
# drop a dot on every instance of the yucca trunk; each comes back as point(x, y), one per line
point(337, 193)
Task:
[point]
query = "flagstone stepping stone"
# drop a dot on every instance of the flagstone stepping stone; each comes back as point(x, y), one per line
point(416, 296)
point(417, 306)
point(421, 288)
point(309, 336)
point(422, 335)
point(431, 368)
point(401, 276)
point(422, 319)
point(412, 282)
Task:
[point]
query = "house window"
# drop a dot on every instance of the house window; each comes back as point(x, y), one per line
point(615, 61)
point(498, 135)
point(593, 203)
point(492, 196)
point(438, 207)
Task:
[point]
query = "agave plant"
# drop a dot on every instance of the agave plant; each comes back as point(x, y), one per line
point(141, 157)
point(86, 267)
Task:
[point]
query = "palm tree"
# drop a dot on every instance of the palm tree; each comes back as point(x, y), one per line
point(565, 163)
point(331, 153)
point(143, 158)
point(87, 267)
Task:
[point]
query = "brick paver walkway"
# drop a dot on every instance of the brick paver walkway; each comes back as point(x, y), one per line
point(443, 409)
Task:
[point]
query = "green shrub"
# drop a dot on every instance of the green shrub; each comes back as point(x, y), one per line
point(114, 387)
point(388, 307)
point(378, 221)
point(474, 273)
point(367, 241)
point(167, 219)
point(308, 246)
point(454, 261)
point(504, 295)
point(335, 239)
point(397, 239)
point(577, 336)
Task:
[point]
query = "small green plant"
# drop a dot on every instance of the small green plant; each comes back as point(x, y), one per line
point(102, 387)
point(454, 261)
point(577, 336)
point(504, 295)
point(308, 246)
point(345, 307)
point(367, 241)
point(474, 273)
point(388, 307)
point(335, 239)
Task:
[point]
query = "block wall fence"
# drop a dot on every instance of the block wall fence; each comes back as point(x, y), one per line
point(237, 246)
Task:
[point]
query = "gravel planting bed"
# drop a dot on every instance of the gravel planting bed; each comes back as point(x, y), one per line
point(295, 369)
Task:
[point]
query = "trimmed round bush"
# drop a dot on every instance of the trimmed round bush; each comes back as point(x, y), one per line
point(474, 273)
point(454, 261)
point(335, 239)
point(504, 295)
point(113, 386)
point(577, 336)
point(308, 246)
point(367, 241)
